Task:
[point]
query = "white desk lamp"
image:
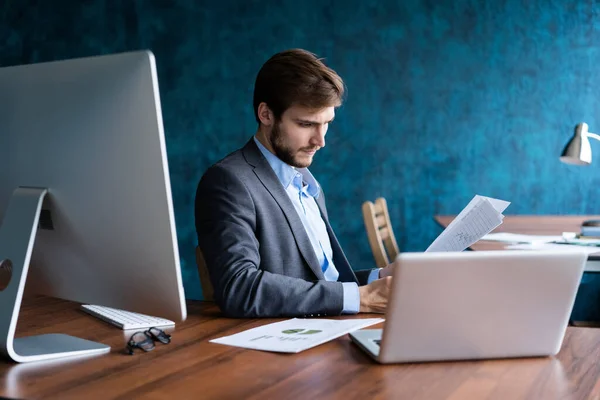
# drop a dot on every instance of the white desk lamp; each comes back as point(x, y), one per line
point(578, 151)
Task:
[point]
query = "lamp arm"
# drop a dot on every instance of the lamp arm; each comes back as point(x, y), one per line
point(593, 135)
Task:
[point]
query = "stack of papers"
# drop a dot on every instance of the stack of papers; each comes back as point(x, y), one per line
point(481, 216)
point(295, 335)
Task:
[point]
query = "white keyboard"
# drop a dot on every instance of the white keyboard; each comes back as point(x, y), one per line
point(125, 319)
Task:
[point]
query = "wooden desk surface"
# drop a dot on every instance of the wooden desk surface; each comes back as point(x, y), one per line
point(191, 367)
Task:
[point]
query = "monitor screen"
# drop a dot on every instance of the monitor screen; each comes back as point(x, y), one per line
point(90, 131)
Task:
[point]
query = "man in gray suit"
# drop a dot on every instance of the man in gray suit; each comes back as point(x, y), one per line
point(261, 218)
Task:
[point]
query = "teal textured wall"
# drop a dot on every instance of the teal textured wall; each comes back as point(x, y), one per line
point(445, 99)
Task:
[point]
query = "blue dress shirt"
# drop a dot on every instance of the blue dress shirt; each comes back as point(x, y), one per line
point(302, 189)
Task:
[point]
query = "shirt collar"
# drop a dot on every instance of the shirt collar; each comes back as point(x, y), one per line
point(287, 174)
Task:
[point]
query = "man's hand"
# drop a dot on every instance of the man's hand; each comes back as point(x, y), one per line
point(386, 271)
point(374, 296)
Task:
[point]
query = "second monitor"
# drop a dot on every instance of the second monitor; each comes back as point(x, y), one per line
point(89, 133)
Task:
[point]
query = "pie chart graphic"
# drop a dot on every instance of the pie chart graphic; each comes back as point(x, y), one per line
point(301, 331)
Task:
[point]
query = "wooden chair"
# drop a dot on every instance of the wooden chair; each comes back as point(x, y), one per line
point(207, 288)
point(380, 233)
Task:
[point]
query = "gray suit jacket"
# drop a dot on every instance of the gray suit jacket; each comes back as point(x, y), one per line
point(260, 260)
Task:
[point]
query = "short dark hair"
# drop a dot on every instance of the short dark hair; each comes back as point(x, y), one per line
point(296, 77)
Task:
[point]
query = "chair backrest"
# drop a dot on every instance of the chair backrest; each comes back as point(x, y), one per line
point(207, 288)
point(380, 233)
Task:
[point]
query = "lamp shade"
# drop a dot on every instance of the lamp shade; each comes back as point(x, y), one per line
point(578, 151)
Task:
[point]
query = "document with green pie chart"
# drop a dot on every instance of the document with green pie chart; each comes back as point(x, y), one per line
point(295, 335)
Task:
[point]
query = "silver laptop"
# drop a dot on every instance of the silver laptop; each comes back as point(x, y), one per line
point(476, 305)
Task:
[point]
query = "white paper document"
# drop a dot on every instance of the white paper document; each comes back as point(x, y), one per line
point(506, 237)
point(555, 246)
point(481, 216)
point(295, 335)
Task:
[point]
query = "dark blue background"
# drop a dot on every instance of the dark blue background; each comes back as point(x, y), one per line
point(446, 99)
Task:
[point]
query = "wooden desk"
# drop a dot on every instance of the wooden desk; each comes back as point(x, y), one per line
point(528, 225)
point(191, 367)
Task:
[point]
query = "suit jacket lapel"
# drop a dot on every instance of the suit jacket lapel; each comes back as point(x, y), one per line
point(265, 174)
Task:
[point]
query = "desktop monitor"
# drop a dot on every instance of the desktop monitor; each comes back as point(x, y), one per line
point(86, 212)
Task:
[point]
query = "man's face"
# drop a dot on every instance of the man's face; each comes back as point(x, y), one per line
point(299, 134)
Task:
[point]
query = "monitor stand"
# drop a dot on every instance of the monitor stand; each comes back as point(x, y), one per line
point(17, 236)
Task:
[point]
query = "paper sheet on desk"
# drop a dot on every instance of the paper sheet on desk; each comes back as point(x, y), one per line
point(481, 216)
point(555, 246)
point(506, 237)
point(295, 335)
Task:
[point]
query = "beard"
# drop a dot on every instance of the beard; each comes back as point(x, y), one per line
point(285, 153)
